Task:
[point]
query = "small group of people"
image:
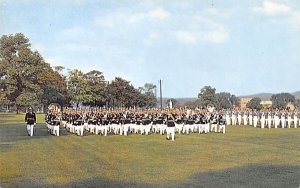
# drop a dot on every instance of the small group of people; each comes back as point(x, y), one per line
point(53, 119)
point(123, 121)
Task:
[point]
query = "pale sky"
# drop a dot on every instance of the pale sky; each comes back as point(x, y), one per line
point(242, 47)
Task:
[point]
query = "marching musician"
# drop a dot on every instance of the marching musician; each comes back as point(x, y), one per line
point(221, 122)
point(170, 127)
point(30, 120)
point(213, 122)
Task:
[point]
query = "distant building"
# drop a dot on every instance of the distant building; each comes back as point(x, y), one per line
point(266, 104)
point(244, 102)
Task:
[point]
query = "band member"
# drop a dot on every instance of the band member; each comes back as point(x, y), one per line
point(146, 124)
point(276, 120)
point(262, 121)
point(269, 121)
point(171, 127)
point(30, 120)
point(179, 124)
point(213, 122)
point(239, 118)
point(245, 119)
point(204, 124)
point(289, 120)
point(282, 119)
point(255, 119)
point(233, 118)
point(228, 122)
point(222, 123)
point(295, 120)
point(78, 124)
point(160, 124)
point(250, 118)
point(105, 124)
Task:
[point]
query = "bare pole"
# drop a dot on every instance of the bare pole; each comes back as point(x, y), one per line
point(160, 91)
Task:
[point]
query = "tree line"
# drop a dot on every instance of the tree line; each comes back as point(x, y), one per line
point(208, 97)
point(279, 101)
point(26, 79)
point(225, 100)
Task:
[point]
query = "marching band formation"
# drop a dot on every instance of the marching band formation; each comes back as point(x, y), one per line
point(167, 121)
point(129, 121)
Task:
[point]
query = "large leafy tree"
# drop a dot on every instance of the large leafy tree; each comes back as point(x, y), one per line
point(207, 96)
point(55, 91)
point(121, 93)
point(96, 85)
point(28, 99)
point(79, 88)
point(149, 94)
point(226, 100)
point(281, 100)
point(254, 104)
point(23, 71)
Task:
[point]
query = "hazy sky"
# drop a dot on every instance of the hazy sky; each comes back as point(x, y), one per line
point(242, 47)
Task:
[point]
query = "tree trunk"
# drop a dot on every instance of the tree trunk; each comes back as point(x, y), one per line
point(62, 108)
point(18, 109)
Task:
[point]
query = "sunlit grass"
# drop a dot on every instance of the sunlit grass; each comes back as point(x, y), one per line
point(146, 159)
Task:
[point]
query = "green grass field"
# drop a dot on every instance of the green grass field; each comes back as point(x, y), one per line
point(243, 157)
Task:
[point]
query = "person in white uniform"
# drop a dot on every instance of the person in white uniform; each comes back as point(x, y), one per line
point(282, 119)
point(262, 120)
point(269, 120)
point(250, 119)
point(295, 120)
point(276, 120)
point(170, 127)
point(255, 119)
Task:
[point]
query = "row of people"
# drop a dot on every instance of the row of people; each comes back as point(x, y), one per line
point(143, 122)
point(125, 121)
point(283, 119)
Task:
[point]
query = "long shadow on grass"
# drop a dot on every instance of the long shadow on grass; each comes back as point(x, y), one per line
point(18, 132)
point(247, 176)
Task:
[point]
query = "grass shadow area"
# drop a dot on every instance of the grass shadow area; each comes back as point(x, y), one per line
point(258, 175)
point(95, 182)
point(18, 132)
point(264, 175)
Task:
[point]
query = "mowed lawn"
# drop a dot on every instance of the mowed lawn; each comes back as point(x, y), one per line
point(243, 157)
